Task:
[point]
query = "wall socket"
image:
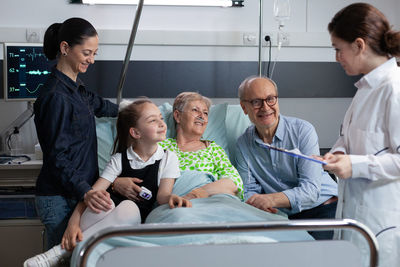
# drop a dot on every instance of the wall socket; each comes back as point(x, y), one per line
point(283, 38)
point(34, 35)
point(249, 38)
point(271, 37)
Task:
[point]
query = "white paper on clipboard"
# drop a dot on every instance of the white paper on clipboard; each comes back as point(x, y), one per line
point(294, 153)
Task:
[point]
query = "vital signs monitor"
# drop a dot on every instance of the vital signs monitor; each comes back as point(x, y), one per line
point(25, 70)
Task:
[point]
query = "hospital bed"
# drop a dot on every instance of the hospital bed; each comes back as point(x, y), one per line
point(226, 123)
point(294, 253)
point(270, 253)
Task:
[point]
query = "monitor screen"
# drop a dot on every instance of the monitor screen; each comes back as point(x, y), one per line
point(25, 70)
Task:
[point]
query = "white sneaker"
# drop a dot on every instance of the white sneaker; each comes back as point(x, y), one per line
point(48, 259)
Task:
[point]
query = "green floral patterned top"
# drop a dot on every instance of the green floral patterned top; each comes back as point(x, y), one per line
point(212, 159)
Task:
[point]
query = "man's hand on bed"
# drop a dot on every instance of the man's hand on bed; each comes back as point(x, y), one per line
point(263, 202)
point(127, 187)
point(178, 202)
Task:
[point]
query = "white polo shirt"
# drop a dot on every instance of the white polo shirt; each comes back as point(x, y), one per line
point(169, 165)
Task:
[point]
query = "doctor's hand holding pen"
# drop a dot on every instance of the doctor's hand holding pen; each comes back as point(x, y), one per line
point(337, 163)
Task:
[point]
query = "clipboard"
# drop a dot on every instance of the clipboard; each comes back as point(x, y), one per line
point(294, 153)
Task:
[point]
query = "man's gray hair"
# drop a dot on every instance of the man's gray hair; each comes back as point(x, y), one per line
point(250, 79)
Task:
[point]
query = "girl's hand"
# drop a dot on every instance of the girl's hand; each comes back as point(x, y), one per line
point(338, 164)
point(128, 187)
point(72, 234)
point(177, 201)
point(98, 200)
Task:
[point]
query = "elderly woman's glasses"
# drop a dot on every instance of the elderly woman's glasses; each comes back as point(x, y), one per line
point(258, 102)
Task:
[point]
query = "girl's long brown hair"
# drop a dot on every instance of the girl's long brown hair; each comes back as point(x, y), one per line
point(127, 118)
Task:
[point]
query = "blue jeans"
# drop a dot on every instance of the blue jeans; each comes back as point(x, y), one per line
point(320, 212)
point(54, 212)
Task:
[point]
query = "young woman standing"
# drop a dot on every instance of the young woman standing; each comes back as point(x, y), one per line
point(367, 155)
point(65, 125)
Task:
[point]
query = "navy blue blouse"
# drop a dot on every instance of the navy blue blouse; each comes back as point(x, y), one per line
point(65, 125)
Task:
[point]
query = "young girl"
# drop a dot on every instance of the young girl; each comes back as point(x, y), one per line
point(137, 157)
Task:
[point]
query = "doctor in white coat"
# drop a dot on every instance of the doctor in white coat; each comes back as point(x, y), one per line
point(367, 155)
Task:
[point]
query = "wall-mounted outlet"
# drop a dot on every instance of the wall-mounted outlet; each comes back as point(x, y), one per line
point(268, 36)
point(33, 35)
point(283, 38)
point(249, 38)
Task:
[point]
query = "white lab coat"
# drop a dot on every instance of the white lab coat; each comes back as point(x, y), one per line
point(370, 133)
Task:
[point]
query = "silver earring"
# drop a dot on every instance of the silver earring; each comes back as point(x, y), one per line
point(64, 54)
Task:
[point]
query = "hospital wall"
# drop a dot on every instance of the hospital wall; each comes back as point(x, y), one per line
point(202, 49)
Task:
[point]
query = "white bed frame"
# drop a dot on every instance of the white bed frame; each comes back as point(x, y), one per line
point(329, 253)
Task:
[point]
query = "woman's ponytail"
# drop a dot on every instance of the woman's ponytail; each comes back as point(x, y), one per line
point(51, 43)
point(392, 42)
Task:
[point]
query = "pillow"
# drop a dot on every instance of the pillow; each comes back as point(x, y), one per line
point(166, 111)
point(215, 130)
point(236, 123)
point(106, 132)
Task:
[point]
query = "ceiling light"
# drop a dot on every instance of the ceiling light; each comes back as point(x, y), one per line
point(223, 3)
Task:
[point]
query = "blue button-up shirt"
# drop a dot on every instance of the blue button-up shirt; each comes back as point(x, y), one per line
point(268, 171)
point(65, 125)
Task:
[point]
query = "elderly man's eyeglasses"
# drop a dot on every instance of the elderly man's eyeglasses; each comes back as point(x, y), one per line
point(258, 102)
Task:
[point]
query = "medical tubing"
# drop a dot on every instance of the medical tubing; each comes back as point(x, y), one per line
point(273, 66)
point(268, 40)
point(260, 30)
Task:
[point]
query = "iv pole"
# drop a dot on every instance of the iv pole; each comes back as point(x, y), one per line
point(129, 51)
point(260, 32)
point(132, 40)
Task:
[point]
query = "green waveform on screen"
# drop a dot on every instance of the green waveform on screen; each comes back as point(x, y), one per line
point(38, 72)
point(34, 54)
point(34, 91)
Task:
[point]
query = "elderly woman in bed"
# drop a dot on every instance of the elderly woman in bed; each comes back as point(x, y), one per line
point(190, 112)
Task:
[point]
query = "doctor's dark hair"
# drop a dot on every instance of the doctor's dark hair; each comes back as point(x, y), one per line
point(73, 31)
point(128, 117)
point(362, 20)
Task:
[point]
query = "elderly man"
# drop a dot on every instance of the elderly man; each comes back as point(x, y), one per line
point(273, 179)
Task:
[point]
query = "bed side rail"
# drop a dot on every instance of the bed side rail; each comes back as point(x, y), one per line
point(164, 229)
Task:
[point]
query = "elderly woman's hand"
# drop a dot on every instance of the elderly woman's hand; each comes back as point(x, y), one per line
point(196, 193)
point(128, 187)
point(222, 186)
